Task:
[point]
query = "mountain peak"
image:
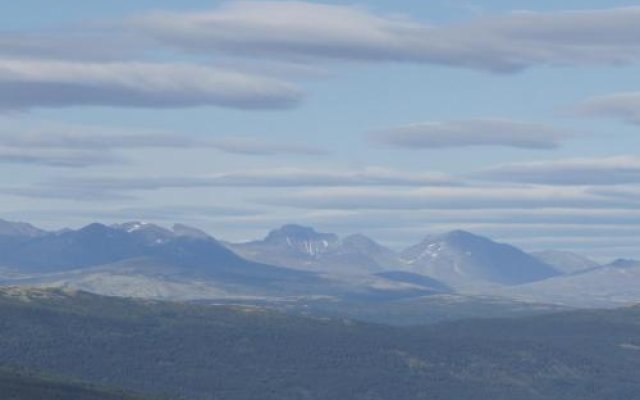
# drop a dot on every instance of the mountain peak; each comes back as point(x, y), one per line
point(298, 232)
point(94, 227)
point(302, 239)
point(136, 226)
point(458, 236)
point(189, 231)
point(132, 226)
point(8, 228)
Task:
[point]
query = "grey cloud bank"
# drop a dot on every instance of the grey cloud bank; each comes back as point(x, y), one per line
point(480, 197)
point(26, 84)
point(472, 132)
point(504, 43)
point(625, 106)
point(74, 145)
point(578, 171)
point(277, 177)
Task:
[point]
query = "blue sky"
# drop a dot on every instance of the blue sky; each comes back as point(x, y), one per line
point(398, 119)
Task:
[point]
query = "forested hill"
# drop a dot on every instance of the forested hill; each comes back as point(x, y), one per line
point(246, 353)
point(20, 385)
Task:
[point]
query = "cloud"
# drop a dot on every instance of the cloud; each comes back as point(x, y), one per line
point(277, 177)
point(74, 145)
point(168, 213)
point(451, 198)
point(26, 84)
point(47, 192)
point(472, 132)
point(72, 44)
point(576, 171)
point(300, 30)
point(57, 157)
point(254, 146)
point(625, 106)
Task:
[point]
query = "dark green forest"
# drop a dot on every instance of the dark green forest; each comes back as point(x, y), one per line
point(17, 384)
point(245, 353)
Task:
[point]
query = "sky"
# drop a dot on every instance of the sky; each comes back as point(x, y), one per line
point(398, 119)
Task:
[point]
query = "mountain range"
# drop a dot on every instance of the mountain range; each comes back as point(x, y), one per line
point(296, 263)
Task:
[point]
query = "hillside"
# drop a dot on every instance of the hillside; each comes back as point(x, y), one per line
point(19, 385)
point(243, 353)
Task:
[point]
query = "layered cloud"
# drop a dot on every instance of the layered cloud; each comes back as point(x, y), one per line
point(479, 197)
point(255, 146)
point(578, 171)
point(298, 29)
point(625, 106)
point(71, 45)
point(56, 157)
point(69, 145)
point(472, 132)
point(26, 84)
point(265, 178)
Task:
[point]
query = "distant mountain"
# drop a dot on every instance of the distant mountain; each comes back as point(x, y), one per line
point(14, 234)
point(300, 240)
point(624, 263)
point(304, 248)
point(464, 260)
point(565, 261)
point(136, 258)
point(416, 279)
point(19, 229)
point(611, 285)
point(98, 244)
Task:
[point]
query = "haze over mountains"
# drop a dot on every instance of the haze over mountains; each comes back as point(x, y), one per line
point(295, 262)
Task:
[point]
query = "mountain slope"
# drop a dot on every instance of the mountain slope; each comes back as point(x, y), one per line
point(16, 385)
point(20, 229)
point(611, 285)
point(565, 261)
point(463, 260)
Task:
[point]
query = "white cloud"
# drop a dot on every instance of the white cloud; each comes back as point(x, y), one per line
point(577, 171)
point(298, 29)
point(26, 84)
point(472, 132)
